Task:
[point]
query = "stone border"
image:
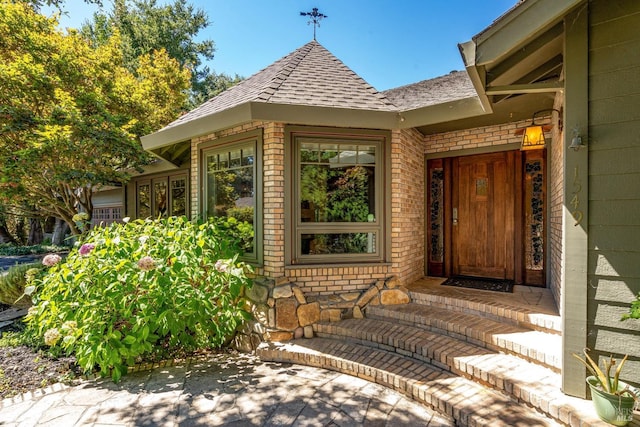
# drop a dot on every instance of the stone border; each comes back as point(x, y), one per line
point(283, 312)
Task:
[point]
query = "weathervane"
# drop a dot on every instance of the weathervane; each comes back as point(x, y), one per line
point(314, 18)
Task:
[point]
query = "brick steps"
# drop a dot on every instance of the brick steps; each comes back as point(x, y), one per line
point(484, 359)
point(536, 346)
point(500, 310)
point(525, 382)
point(468, 403)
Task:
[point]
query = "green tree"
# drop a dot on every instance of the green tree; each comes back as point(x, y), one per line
point(146, 26)
point(71, 115)
point(37, 4)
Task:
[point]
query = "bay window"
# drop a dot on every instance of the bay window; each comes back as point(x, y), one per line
point(338, 190)
point(231, 184)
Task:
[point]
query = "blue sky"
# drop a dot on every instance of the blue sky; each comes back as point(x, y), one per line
point(389, 43)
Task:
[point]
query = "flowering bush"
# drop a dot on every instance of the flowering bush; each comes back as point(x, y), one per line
point(86, 249)
point(51, 260)
point(139, 291)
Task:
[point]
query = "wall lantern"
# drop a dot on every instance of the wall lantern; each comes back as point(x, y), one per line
point(533, 135)
point(576, 141)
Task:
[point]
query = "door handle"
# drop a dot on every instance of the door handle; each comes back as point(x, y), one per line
point(455, 216)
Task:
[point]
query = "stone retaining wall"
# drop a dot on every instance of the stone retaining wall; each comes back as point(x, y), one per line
point(282, 311)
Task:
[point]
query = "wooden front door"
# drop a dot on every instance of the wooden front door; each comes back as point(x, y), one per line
point(483, 215)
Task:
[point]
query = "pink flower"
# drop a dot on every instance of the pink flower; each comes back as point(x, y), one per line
point(86, 249)
point(51, 260)
point(222, 266)
point(146, 263)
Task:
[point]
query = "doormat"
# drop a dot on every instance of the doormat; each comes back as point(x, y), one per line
point(497, 285)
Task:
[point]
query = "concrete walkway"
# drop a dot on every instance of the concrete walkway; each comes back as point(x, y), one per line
point(224, 390)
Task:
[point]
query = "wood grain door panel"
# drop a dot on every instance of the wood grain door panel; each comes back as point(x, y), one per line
point(483, 230)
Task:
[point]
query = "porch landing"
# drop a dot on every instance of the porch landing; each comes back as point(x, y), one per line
point(481, 358)
point(527, 305)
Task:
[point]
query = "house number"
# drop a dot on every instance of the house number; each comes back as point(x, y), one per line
point(575, 200)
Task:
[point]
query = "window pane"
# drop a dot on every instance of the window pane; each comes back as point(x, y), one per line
point(223, 161)
point(309, 152)
point(338, 243)
point(247, 156)
point(179, 196)
point(160, 198)
point(235, 156)
point(337, 194)
point(328, 152)
point(231, 186)
point(144, 201)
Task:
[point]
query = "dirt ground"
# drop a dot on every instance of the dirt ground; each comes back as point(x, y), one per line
point(22, 370)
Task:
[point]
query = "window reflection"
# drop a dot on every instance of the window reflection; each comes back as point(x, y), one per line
point(179, 197)
point(160, 197)
point(144, 201)
point(337, 202)
point(231, 185)
point(337, 183)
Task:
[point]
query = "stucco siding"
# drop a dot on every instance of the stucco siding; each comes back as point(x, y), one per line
point(614, 178)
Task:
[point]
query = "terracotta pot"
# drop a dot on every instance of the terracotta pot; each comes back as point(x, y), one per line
point(612, 408)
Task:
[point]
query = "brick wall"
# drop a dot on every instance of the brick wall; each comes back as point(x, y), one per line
point(480, 137)
point(555, 172)
point(407, 205)
point(322, 280)
point(273, 199)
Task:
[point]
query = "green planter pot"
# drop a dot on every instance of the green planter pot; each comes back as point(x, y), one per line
point(614, 409)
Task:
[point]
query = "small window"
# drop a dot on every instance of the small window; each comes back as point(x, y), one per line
point(162, 196)
point(104, 216)
point(231, 187)
point(338, 189)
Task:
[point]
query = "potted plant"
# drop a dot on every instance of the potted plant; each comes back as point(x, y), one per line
point(614, 400)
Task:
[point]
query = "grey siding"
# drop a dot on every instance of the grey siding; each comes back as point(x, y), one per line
point(614, 178)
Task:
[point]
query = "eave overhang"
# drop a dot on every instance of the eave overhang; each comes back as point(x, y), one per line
point(262, 111)
point(520, 53)
point(439, 113)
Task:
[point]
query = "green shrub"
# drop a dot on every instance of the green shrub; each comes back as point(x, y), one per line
point(244, 214)
point(241, 232)
point(7, 249)
point(139, 291)
point(12, 284)
point(634, 310)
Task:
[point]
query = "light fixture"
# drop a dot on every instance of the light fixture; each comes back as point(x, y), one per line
point(533, 135)
point(576, 141)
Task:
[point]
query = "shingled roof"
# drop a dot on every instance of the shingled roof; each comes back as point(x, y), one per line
point(309, 76)
point(452, 87)
point(310, 86)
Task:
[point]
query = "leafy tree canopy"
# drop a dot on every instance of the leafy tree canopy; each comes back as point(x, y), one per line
point(145, 26)
point(37, 4)
point(71, 114)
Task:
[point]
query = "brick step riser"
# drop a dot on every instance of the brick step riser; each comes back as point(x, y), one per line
point(439, 400)
point(485, 339)
point(442, 360)
point(513, 316)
